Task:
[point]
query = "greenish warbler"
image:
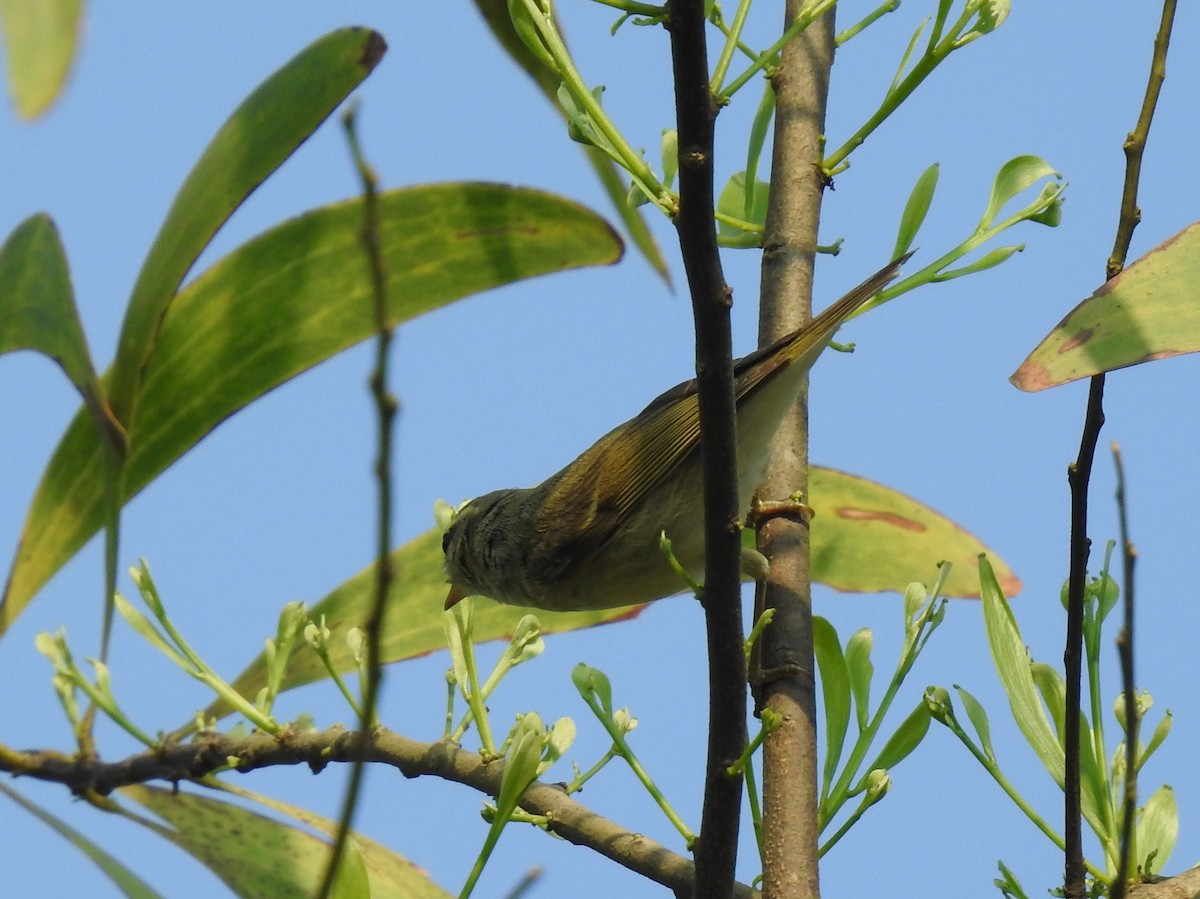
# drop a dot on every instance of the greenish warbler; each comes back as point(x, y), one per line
point(588, 536)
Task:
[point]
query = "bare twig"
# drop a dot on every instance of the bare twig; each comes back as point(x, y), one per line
point(386, 408)
point(1135, 145)
point(1125, 654)
point(696, 110)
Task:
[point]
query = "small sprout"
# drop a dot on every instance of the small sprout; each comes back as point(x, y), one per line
point(1142, 704)
point(940, 705)
point(355, 640)
point(878, 784)
point(625, 722)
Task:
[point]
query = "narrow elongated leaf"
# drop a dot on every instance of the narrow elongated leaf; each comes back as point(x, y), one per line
point(260, 856)
point(284, 302)
point(867, 538)
point(123, 878)
point(908, 736)
point(39, 44)
point(264, 131)
point(413, 626)
point(835, 692)
point(38, 312)
point(860, 670)
point(1013, 666)
point(1147, 312)
point(979, 719)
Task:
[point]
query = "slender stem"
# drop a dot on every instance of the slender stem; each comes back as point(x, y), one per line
point(732, 36)
point(386, 408)
point(696, 111)
point(1132, 719)
point(801, 20)
point(1078, 477)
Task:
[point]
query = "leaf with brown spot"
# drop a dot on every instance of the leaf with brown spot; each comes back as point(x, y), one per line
point(1147, 312)
point(868, 538)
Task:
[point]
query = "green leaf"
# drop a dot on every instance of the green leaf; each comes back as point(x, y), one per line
point(915, 210)
point(979, 719)
point(495, 13)
point(282, 303)
point(1157, 828)
point(38, 312)
point(260, 856)
point(908, 736)
point(860, 671)
point(990, 259)
point(1054, 693)
point(1147, 312)
point(413, 626)
point(262, 132)
point(835, 691)
point(1016, 175)
point(39, 43)
point(868, 538)
point(1013, 666)
point(748, 206)
point(124, 879)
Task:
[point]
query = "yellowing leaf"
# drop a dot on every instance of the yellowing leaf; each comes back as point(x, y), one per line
point(1149, 311)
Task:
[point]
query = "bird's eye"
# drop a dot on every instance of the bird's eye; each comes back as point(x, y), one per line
point(445, 542)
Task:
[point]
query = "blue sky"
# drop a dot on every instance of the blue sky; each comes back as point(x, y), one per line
point(503, 389)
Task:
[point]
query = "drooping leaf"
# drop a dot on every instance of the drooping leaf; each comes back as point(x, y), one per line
point(1147, 312)
point(260, 856)
point(256, 139)
point(39, 44)
point(495, 13)
point(38, 312)
point(282, 303)
point(868, 538)
point(124, 879)
point(413, 626)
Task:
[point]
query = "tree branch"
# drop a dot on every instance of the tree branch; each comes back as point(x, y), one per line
point(784, 672)
point(210, 751)
point(695, 111)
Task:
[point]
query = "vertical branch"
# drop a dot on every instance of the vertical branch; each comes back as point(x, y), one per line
point(1128, 685)
point(696, 110)
point(1078, 474)
point(784, 677)
point(386, 408)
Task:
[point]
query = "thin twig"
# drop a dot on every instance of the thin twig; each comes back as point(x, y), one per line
point(1125, 654)
point(386, 408)
point(1135, 146)
point(696, 110)
point(1079, 475)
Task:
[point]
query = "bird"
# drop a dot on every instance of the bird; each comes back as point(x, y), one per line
point(588, 537)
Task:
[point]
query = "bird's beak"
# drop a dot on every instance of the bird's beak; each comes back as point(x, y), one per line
point(454, 597)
